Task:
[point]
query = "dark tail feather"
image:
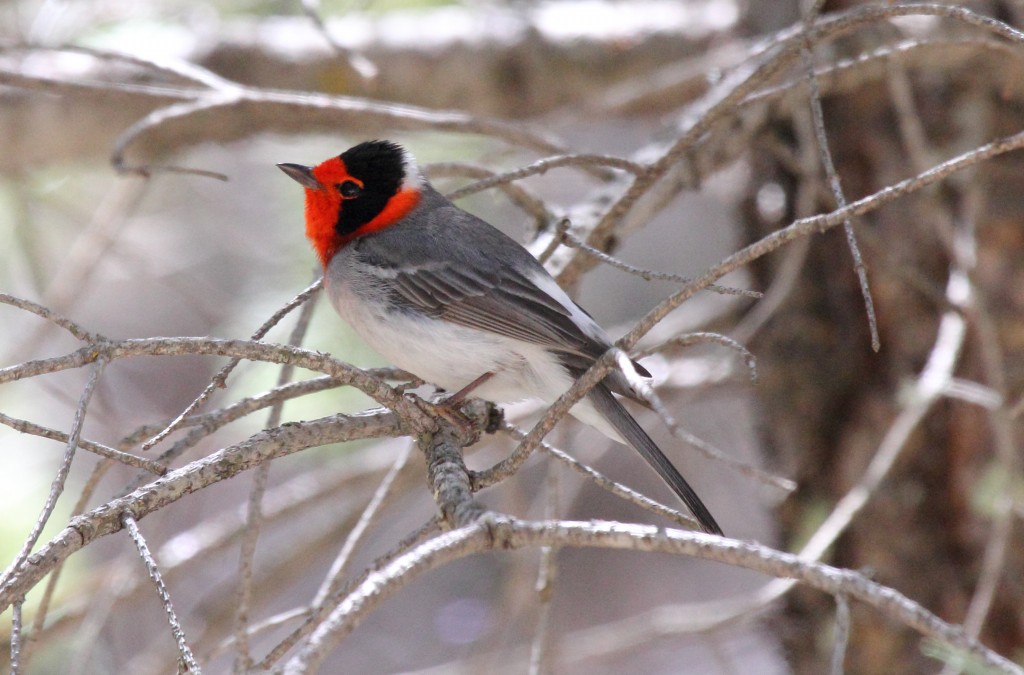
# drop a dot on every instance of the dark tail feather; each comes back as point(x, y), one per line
point(612, 410)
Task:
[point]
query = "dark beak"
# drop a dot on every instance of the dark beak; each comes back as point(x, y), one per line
point(303, 175)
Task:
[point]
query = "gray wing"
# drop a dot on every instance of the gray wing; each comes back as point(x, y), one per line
point(441, 273)
point(513, 305)
point(504, 301)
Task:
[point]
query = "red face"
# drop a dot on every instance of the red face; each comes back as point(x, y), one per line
point(323, 206)
point(368, 187)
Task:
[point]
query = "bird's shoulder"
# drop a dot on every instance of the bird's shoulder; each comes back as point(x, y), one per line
point(451, 264)
point(438, 233)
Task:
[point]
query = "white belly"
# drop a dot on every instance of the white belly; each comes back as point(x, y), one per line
point(451, 356)
point(448, 355)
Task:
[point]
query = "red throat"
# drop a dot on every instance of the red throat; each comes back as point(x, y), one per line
point(324, 205)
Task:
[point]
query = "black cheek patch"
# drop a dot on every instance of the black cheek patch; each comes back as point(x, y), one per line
point(379, 165)
point(356, 212)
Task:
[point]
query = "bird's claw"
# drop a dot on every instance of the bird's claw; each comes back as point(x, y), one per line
point(467, 426)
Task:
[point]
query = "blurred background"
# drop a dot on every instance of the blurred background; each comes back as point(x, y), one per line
point(175, 254)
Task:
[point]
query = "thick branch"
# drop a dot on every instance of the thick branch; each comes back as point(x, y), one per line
point(257, 351)
point(221, 465)
point(513, 534)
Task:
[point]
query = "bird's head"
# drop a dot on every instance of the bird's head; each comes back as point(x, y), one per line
point(364, 189)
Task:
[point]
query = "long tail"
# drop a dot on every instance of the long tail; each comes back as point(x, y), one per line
point(610, 408)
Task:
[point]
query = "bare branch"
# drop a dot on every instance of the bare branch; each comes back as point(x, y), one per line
point(159, 118)
point(712, 452)
point(818, 118)
point(547, 575)
point(318, 613)
point(699, 337)
point(542, 166)
point(500, 471)
point(332, 581)
point(761, 105)
point(449, 477)
point(125, 458)
point(182, 70)
point(214, 468)
point(221, 377)
point(517, 194)
point(820, 223)
point(722, 99)
point(165, 598)
point(490, 534)
point(362, 66)
point(254, 517)
point(16, 638)
point(45, 313)
point(572, 240)
point(57, 487)
point(179, 346)
point(842, 634)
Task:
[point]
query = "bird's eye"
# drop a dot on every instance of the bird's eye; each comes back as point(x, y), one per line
point(349, 189)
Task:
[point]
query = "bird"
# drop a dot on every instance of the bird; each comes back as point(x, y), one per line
point(448, 297)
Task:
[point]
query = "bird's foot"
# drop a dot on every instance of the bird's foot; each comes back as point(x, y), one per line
point(468, 416)
point(468, 419)
point(460, 396)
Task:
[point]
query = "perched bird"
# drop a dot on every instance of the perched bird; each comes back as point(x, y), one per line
point(448, 297)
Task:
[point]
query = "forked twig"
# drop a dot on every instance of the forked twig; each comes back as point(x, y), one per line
point(220, 378)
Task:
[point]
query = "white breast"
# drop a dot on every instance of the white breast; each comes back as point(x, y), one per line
point(448, 355)
point(442, 353)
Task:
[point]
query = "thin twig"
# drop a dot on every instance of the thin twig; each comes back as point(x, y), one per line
point(95, 241)
point(301, 497)
point(43, 608)
point(220, 378)
point(318, 613)
point(332, 580)
point(497, 473)
point(160, 117)
point(184, 70)
point(573, 241)
point(819, 223)
point(556, 239)
point(699, 337)
point(542, 166)
point(995, 366)
point(927, 389)
point(517, 194)
point(57, 487)
point(312, 106)
point(842, 634)
point(724, 97)
point(848, 74)
point(274, 621)
point(246, 553)
point(121, 574)
point(46, 313)
point(254, 514)
point(216, 467)
point(818, 118)
point(126, 458)
point(712, 452)
point(787, 273)
point(362, 66)
point(547, 574)
point(16, 638)
point(165, 598)
point(218, 417)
